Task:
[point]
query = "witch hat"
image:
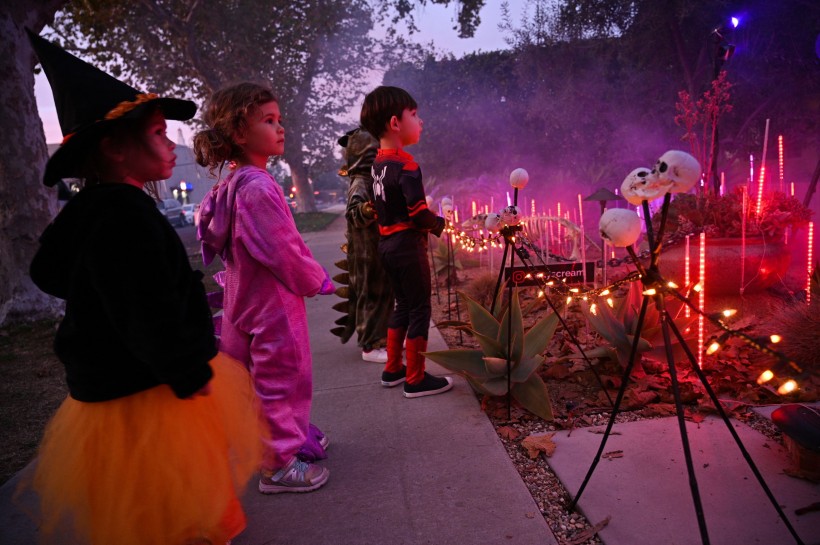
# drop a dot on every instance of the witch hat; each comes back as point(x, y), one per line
point(88, 101)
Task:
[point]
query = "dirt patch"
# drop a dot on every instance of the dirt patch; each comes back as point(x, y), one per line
point(32, 386)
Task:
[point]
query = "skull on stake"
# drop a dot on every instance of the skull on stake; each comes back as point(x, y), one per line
point(511, 215)
point(447, 207)
point(643, 185)
point(493, 222)
point(678, 169)
point(620, 226)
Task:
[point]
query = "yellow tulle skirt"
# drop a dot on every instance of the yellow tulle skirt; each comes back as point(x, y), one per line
point(151, 469)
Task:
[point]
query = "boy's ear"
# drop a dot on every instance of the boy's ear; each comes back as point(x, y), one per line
point(394, 124)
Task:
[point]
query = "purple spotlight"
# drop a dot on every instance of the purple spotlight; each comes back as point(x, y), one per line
point(735, 22)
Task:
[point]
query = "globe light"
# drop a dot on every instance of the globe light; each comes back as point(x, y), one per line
point(519, 178)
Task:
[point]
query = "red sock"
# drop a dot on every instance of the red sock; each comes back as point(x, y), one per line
point(395, 340)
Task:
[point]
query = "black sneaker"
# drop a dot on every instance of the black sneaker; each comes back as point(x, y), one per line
point(429, 386)
point(394, 379)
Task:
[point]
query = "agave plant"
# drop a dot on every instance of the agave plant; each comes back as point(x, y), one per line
point(486, 369)
point(619, 325)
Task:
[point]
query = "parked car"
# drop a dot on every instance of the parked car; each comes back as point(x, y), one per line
point(172, 210)
point(188, 210)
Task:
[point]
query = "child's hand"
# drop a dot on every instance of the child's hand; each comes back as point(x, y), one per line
point(327, 285)
point(368, 211)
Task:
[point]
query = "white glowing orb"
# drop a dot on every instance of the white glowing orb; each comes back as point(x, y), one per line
point(519, 178)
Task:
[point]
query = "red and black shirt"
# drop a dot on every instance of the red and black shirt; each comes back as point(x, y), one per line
point(399, 195)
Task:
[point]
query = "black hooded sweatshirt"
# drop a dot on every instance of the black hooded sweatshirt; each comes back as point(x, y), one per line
point(136, 314)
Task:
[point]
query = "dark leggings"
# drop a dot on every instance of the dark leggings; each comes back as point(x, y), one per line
point(404, 256)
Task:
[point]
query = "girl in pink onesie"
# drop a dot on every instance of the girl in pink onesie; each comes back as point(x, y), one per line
point(268, 272)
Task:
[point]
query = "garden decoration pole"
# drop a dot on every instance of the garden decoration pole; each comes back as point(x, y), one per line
point(656, 288)
point(603, 195)
point(435, 275)
point(429, 201)
point(447, 212)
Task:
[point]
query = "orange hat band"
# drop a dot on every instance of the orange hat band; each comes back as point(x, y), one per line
point(127, 105)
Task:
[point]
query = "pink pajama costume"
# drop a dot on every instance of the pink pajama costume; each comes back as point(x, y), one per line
point(269, 270)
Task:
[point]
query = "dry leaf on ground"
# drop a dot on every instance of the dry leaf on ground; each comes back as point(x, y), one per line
point(589, 532)
point(508, 432)
point(613, 454)
point(536, 444)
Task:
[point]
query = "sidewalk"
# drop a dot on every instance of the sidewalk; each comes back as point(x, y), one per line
point(403, 471)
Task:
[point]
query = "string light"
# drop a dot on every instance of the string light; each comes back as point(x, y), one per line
point(787, 387)
point(775, 339)
point(714, 346)
point(672, 285)
point(729, 312)
point(765, 376)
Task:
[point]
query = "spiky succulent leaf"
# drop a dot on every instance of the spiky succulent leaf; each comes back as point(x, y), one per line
point(597, 352)
point(482, 321)
point(495, 367)
point(539, 336)
point(532, 394)
point(512, 323)
point(527, 367)
point(494, 386)
point(490, 346)
point(468, 362)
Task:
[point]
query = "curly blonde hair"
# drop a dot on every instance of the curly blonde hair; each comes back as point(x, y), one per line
point(226, 114)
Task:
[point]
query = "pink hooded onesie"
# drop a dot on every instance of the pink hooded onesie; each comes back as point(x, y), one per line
point(269, 270)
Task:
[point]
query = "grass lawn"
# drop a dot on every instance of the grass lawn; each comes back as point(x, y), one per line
point(309, 222)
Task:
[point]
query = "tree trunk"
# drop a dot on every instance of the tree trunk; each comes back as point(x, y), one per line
point(26, 205)
point(295, 158)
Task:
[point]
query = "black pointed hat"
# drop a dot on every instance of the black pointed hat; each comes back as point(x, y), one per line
point(88, 101)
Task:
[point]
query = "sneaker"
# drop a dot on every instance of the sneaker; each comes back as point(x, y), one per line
point(394, 379)
point(296, 476)
point(429, 386)
point(377, 355)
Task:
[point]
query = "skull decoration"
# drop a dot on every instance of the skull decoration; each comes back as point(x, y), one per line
point(519, 178)
point(643, 185)
point(447, 207)
point(678, 169)
point(493, 222)
point(620, 226)
point(511, 215)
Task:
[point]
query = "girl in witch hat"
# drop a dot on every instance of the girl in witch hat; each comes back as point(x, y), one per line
point(268, 272)
point(159, 432)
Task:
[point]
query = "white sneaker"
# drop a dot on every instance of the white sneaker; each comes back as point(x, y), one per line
point(377, 355)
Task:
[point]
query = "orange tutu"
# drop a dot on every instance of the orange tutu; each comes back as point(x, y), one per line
point(150, 468)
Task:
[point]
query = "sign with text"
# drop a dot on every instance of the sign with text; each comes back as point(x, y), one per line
point(573, 273)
